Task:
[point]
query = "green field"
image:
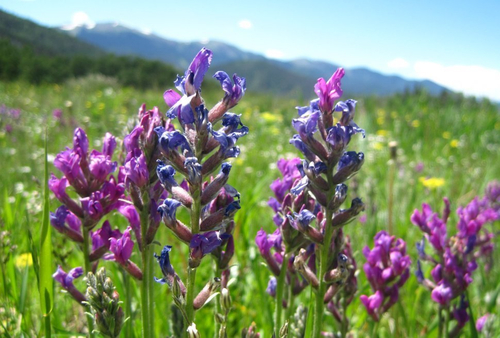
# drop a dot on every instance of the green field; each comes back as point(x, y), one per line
point(452, 141)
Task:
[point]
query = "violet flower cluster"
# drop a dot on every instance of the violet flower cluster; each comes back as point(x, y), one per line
point(455, 257)
point(89, 174)
point(194, 169)
point(309, 243)
point(387, 270)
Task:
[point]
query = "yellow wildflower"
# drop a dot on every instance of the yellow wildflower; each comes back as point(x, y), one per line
point(446, 135)
point(382, 132)
point(23, 260)
point(380, 120)
point(454, 143)
point(377, 145)
point(415, 123)
point(101, 106)
point(432, 182)
point(88, 104)
point(268, 117)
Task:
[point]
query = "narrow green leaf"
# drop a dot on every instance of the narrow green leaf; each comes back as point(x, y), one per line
point(46, 267)
point(472, 322)
point(23, 291)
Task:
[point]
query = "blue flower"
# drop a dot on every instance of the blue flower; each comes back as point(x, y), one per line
point(233, 92)
point(169, 208)
point(166, 175)
point(306, 124)
point(166, 268)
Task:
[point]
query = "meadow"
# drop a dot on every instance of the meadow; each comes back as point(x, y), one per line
point(418, 149)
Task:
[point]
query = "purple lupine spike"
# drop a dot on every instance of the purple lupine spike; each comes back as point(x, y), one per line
point(329, 91)
point(235, 92)
point(387, 269)
point(297, 142)
point(168, 208)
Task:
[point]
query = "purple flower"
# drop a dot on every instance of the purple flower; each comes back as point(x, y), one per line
point(122, 247)
point(301, 221)
point(480, 322)
point(168, 208)
point(136, 171)
point(100, 165)
point(171, 140)
point(203, 244)
point(387, 267)
point(262, 243)
point(234, 92)
point(80, 142)
point(329, 91)
point(306, 124)
point(271, 286)
point(373, 304)
point(166, 175)
point(100, 238)
point(66, 279)
point(108, 145)
point(63, 216)
point(442, 294)
point(166, 268)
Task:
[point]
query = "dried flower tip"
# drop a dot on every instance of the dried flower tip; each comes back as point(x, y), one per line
point(192, 331)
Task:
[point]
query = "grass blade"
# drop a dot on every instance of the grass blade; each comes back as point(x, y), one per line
point(45, 277)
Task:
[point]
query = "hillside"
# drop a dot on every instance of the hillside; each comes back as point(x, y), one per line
point(47, 41)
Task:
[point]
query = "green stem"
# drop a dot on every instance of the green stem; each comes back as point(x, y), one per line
point(446, 323)
point(88, 268)
point(441, 322)
point(323, 259)
point(147, 274)
point(190, 295)
point(345, 324)
point(191, 283)
point(290, 300)
point(128, 304)
point(279, 295)
point(217, 307)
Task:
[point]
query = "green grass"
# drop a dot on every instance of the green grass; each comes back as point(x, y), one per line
point(456, 139)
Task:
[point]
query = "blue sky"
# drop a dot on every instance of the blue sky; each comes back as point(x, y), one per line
point(454, 43)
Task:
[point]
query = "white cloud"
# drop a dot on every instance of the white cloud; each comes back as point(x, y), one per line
point(80, 19)
point(274, 54)
point(398, 63)
point(245, 24)
point(471, 80)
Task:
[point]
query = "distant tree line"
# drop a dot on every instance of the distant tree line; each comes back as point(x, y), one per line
point(22, 63)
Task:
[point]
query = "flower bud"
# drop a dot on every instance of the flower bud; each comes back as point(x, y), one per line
point(226, 300)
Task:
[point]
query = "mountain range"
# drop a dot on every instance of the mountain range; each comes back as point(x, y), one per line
point(294, 77)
